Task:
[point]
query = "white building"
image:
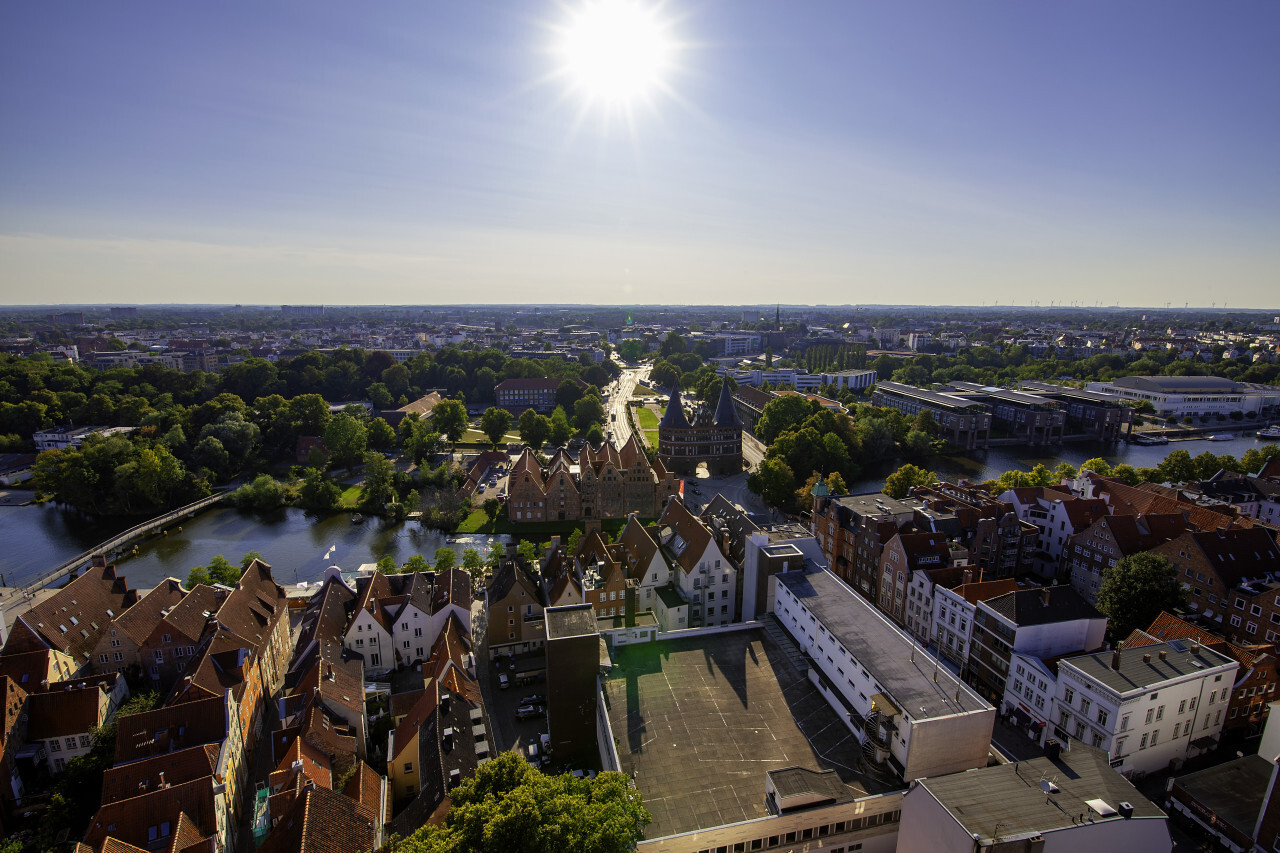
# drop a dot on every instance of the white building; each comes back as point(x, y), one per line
point(704, 576)
point(901, 704)
point(1176, 396)
point(1147, 707)
point(1029, 692)
point(397, 618)
point(1058, 515)
point(59, 438)
point(1061, 803)
point(953, 609)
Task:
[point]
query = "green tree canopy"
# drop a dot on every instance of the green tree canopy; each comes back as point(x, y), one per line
point(1097, 465)
point(346, 438)
point(450, 419)
point(318, 492)
point(535, 429)
point(780, 415)
point(494, 423)
point(902, 481)
point(774, 481)
point(507, 805)
point(446, 558)
point(560, 429)
point(1135, 590)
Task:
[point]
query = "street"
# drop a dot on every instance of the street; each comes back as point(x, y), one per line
point(619, 400)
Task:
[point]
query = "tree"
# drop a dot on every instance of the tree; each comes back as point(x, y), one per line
point(508, 805)
point(446, 558)
point(494, 423)
point(672, 344)
point(491, 507)
point(560, 429)
point(473, 563)
point(902, 481)
point(1135, 590)
point(773, 480)
point(378, 475)
point(1097, 465)
point(219, 570)
point(568, 393)
point(780, 415)
point(346, 438)
point(247, 559)
point(416, 563)
point(527, 551)
point(381, 435)
point(1177, 467)
point(387, 565)
point(588, 410)
point(836, 484)
point(318, 492)
point(535, 429)
point(450, 419)
point(631, 349)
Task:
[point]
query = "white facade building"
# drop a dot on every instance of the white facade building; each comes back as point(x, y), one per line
point(1147, 707)
point(900, 703)
point(1176, 396)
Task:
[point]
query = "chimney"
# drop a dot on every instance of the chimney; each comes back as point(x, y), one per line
point(1195, 648)
point(966, 576)
point(1164, 654)
point(162, 784)
point(1044, 596)
point(1115, 659)
point(1146, 658)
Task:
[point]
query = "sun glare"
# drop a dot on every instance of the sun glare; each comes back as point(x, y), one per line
point(615, 52)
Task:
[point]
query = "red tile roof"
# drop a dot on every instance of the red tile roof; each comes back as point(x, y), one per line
point(74, 618)
point(125, 781)
point(322, 821)
point(66, 710)
point(140, 620)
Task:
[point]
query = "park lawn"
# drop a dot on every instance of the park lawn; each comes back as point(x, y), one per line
point(351, 497)
point(648, 422)
point(475, 436)
point(478, 522)
point(643, 391)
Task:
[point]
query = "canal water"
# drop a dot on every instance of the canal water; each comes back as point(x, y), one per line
point(34, 539)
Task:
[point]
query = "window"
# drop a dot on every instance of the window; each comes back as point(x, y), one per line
point(1155, 736)
point(54, 746)
point(1151, 713)
point(1084, 706)
point(417, 632)
point(1176, 728)
point(1124, 723)
point(1068, 696)
point(359, 643)
point(375, 660)
point(119, 656)
point(1142, 744)
point(71, 742)
point(1102, 716)
point(85, 741)
point(102, 658)
point(408, 767)
point(1160, 713)
point(1182, 706)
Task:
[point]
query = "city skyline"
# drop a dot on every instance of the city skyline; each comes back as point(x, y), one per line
point(879, 153)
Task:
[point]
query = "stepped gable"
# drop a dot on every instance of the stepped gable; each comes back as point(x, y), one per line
point(638, 546)
point(370, 590)
point(674, 416)
point(726, 414)
point(527, 469)
point(253, 605)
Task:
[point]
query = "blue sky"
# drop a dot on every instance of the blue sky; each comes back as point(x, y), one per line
point(825, 152)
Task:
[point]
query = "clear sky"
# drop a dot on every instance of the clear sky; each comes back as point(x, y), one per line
point(818, 152)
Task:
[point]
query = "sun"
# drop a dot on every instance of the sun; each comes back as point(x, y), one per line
point(616, 52)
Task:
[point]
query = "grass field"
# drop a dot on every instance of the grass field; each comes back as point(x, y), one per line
point(648, 422)
point(478, 522)
point(643, 391)
point(350, 497)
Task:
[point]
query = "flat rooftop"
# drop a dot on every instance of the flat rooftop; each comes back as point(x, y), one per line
point(1143, 666)
point(933, 398)
point(1234, 791)
point(575, 620)
point(1007, 799)
point(700, 721)
point(911, 678)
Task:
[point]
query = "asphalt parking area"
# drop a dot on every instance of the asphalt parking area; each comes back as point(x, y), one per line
point(700, 721)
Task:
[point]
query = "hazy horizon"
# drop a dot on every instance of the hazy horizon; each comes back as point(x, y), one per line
point(921, 153)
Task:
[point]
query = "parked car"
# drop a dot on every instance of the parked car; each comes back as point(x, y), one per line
point(545, 740)
point(503, 681)
point(533, 699)
point(528, 712)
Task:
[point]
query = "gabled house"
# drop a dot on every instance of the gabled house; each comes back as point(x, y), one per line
point(905, 556)
point(119, 646)
point(64, 716)
point(1232, 576)
point(640, 557)
point(34, 670)
point(73, 619)
point(1058, 515)
point(172, 641)
point(514, 603)
point(1097, 548)
point(704, 576)
point(323, 821)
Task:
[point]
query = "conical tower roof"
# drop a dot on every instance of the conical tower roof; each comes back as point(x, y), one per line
point(674, 416)
point(726, 414)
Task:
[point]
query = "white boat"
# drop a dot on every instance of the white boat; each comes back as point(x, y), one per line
point(1272, 431)
point(1222, 437)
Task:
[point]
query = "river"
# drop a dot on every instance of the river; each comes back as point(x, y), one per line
point(34, 539)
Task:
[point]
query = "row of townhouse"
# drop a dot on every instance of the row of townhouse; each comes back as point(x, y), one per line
point(611, 482)
point(677, 570)
point(396, 619)
point(181, 774)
